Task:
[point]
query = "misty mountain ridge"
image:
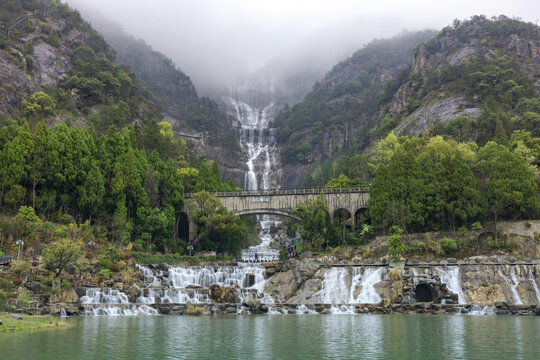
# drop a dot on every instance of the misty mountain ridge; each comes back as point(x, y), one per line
point(475, 80)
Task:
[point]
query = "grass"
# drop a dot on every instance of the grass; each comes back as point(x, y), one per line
point(31, 322)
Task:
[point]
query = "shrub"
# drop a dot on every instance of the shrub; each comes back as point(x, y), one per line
point(416, 247)
point(65, 283)
point(106, 273)
point(89, 255)
point(448, 245)
point(394, 275)
point(19, 266)
point(112, 254)
point(115, 267)
point(105, 263)
point(5, 284)
point(463, 229)
point(476, 226)
point(17, 281)
point(528, 224)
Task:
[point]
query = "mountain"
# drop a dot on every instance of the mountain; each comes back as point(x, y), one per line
point(199, 119)
point(474, 80)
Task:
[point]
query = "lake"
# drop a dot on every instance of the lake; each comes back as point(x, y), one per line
point(282, 337)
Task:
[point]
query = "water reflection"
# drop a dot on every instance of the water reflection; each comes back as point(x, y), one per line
point(283, 337)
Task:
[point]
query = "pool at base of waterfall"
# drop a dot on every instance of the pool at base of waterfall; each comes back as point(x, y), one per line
point(277, 337)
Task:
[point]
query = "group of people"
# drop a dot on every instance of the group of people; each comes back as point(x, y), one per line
point(293, 252)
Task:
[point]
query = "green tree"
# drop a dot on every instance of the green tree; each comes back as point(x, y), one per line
point(60, 253)
point(314, 222)
point(395, 243)
point(509, 189)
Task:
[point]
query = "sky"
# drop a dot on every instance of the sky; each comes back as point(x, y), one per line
point(224, 41)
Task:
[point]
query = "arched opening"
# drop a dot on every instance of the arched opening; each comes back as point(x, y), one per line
point(361, 217)
point(423, 293)
point(182, 226)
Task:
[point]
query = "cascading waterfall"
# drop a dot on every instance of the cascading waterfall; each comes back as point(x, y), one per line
point(258, 141)
point(367, 280)
point(190, 284)
point(112, 302)
point(512, 284)
point(481, 310)
point(451, 277)
point(336, 288)
point(535, 286)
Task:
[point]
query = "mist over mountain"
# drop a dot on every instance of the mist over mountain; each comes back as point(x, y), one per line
point(220, 44)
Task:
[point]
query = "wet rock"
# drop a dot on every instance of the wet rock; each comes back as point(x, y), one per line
point(451, 260)
point(248, 301)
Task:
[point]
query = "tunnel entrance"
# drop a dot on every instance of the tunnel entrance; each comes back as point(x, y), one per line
point(423, 293)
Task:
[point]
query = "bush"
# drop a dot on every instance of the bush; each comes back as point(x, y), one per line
point(89, 255)
point(18, 267)
point(449, 245)
point(476, 226)
point(416, 247)
point(115, 267)
point(105, 263)
point(65, 283)
point(106, 273)
point(528, 224)
point(17, 281)
point(112, 254)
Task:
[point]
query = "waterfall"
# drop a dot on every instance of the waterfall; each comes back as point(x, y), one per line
point(334, 288)
point(191, 284)
point(112, 302)
point(535, 286)
point(512, 284)
point(450, 276)
point(254, 111)
point(303, 309)
point(367, 280)
point(479, 310)
point(63, 313)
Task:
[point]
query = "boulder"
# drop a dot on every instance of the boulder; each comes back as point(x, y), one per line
point(17, 316)
point(248, 301)
point(65, 295)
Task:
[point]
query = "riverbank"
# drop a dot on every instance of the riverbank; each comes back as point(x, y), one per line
point(17, 322)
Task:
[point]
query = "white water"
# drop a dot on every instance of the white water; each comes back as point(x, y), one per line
point(535, 286)
point(303, 309)
point(451, 277)
point(258, 142)
point(190, 284)
point(479, 310)
point(334, 288)
point(121, 310)
point(104, 296)
point(342, 309)
point(112, 302)
point(63, 313)
point(367, 280)
point(512, 284)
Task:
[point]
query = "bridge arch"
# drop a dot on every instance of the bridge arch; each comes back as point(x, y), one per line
point(268, 212)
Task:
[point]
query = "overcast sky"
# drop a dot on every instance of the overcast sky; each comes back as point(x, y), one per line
point(222, 40)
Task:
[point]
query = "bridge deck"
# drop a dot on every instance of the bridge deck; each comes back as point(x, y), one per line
point(271, 192)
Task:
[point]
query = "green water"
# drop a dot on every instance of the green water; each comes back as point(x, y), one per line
point(283, 337)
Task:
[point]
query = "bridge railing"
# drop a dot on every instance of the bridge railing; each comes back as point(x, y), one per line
point(271, 192)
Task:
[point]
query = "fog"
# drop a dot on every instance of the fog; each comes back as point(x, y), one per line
point(223, 42)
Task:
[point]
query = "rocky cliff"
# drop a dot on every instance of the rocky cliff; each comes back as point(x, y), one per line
point(475, 69)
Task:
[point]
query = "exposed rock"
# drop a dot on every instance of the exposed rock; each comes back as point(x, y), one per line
point(65, 295)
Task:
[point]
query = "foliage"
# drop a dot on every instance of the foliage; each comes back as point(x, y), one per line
point(217, 228)
point(58, 254)
point(315, 222)
point(449, 245)
point(395, 243)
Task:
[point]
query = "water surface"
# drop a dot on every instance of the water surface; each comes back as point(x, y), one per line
point(283, 337)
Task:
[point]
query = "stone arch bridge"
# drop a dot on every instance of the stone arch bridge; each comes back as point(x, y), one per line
point(283, 202)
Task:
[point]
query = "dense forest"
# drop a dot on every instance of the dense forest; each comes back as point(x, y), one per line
point(87, 153)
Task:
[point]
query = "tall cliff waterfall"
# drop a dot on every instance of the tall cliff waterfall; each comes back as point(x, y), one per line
point(254, 110)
